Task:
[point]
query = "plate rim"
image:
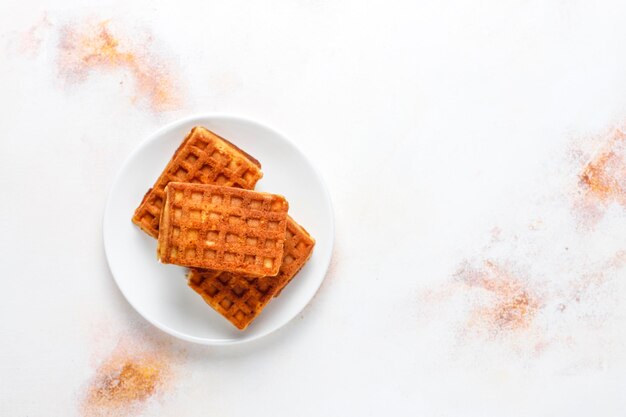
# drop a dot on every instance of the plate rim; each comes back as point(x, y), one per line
point(117, 178)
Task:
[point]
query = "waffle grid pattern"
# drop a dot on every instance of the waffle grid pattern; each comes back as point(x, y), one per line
point(202, 158)
point(223, 228)
point(241, 299)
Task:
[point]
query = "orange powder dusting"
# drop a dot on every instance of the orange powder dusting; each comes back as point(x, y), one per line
point(95, 47)
point(510, 306)
point(126, 380)
point(603, 178)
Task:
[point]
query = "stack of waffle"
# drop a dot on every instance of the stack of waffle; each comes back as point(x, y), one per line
point(240, 245)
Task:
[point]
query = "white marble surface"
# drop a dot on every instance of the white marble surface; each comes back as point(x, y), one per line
point(449, 132)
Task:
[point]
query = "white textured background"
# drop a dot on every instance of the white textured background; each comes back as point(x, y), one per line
point(433, 123)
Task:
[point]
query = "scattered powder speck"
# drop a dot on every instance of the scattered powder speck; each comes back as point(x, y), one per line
point(31, 40)
point(89, 47)
point(510, 305)
point(536, 224)
point(137, 372)
point(496, 234)
point(590, 286)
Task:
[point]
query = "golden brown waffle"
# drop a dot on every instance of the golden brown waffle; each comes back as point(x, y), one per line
point(203, 158)
point(222, 228)
point(240, 299)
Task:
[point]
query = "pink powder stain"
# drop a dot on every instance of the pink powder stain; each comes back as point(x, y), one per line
point(489, 303)
point(496, 234)
point(510, 304)
point(93, 47)
point(602, 179)
point(503, 306)
point(500, 304)
point(589, 286)
point(30, 42)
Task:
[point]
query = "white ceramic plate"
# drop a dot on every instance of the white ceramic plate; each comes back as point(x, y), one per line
point(160, 292)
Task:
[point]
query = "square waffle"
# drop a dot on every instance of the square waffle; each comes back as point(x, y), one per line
point(222, 228)
point(203, 158)
point(241, 299)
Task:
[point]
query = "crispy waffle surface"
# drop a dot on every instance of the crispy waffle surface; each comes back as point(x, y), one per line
point(223, 228)
point(241, 299)
point(202, 158)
